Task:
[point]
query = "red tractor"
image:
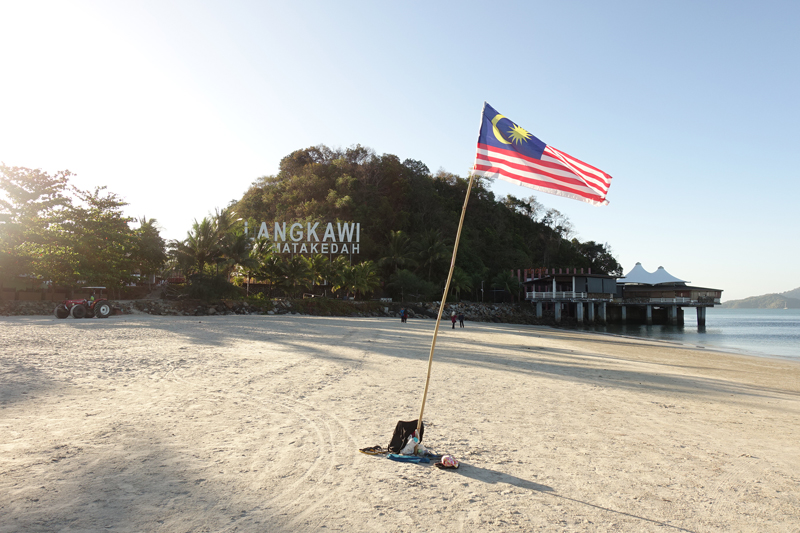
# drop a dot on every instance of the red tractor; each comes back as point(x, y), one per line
point(94, 306)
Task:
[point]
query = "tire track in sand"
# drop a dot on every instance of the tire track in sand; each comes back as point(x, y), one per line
point(300, 492)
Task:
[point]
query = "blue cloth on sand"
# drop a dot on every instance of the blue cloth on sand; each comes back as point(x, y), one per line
point(407, 458)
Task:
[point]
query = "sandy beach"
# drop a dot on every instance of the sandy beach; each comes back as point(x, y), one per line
point(253, 423)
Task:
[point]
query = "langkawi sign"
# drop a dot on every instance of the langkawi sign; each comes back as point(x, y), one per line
point(309, 238)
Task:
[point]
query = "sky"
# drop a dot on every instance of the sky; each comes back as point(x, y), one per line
point(179, 106)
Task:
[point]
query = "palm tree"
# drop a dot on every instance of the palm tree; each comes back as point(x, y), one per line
point(199, 248)
point(149, 253)
point(341, 274)
point(364, 278)
point(461, 281)
point(398, 253)
point(320, 268)
point(240, 254)
point(405, 281)
point(506, 282)
point(203, 243)
point(270, 269)
point(431, 251)
point(296, 275)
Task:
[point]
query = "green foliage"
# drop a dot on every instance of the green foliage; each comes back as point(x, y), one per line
point(57, 233)
point(397, 253)
point(33, 240)
point(207, 287)
point(433, 254)
point(460, 282)
point(507, 283)
point(149, 248)
point(363, 278)
point(201, 247)
point(270, 270)
point(333, 307)
point(409, 219)
point(296, 276)
point(320, 269)
point(106, 244)
point(406, 285)
point(598, 256)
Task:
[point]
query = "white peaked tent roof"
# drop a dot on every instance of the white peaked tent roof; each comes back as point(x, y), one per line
point(639, 275)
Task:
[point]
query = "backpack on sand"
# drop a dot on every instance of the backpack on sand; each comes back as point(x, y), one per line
point(402, 432)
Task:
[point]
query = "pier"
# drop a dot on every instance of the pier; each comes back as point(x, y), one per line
point(639, 297)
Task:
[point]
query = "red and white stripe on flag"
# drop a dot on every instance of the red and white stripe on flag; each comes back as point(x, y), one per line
point(555, 173)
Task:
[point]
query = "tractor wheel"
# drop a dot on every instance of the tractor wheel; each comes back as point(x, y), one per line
point(61, 311)
point(77, 311)
point(102, 309)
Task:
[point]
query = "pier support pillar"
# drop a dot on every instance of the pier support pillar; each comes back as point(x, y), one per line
point(558, 312)
point(701, 316)
point(624, 311)
point(579, 312)
point(672, 312)
point(590, 313)
point(649, 314)
point(602, 312)
point(538, 309)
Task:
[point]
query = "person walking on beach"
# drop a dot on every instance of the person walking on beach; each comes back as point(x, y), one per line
point(453, 319)
point(461, 319)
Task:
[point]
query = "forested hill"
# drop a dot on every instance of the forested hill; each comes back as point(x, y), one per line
point(766, 301)
point(794, 293)
point(403, 208)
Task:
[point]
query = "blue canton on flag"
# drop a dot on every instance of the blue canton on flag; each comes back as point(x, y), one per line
point(508, 152)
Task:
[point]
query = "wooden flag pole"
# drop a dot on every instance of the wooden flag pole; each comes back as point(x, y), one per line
point(442, 303)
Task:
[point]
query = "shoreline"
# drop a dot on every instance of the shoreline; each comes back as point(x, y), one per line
point(715, 337)
point(497, 313)
point(691, 346)
point(488, 313)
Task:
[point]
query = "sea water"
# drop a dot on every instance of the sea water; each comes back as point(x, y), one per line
point(764, 332)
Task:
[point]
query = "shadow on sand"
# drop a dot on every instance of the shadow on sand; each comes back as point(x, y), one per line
point(486, 475)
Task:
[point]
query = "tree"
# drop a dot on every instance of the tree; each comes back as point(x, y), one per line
point(599, 257)
point(409, 284)
point(319, 267)
point(103, 240)
point(398, 252)
point(432, 253)
point(507, 283)
point(269, 269)
point(403, 281)
point(341, 275)
point(204, 243)
point(32, 210)
point(149, 248)
point(198, 248)
point(296, 275)
point(58, 233)
point(237, 251)
point(461, 281)
point(529, 207)
point(364, 278)
point(402, 208)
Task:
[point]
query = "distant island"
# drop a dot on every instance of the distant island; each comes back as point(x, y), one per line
point(785, 300)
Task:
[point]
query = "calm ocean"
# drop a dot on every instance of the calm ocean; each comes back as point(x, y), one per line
point(764, 332)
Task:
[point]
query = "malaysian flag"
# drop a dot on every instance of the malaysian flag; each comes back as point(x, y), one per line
point(510, 153)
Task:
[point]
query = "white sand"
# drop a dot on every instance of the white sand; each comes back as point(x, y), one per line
point(249, 423)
